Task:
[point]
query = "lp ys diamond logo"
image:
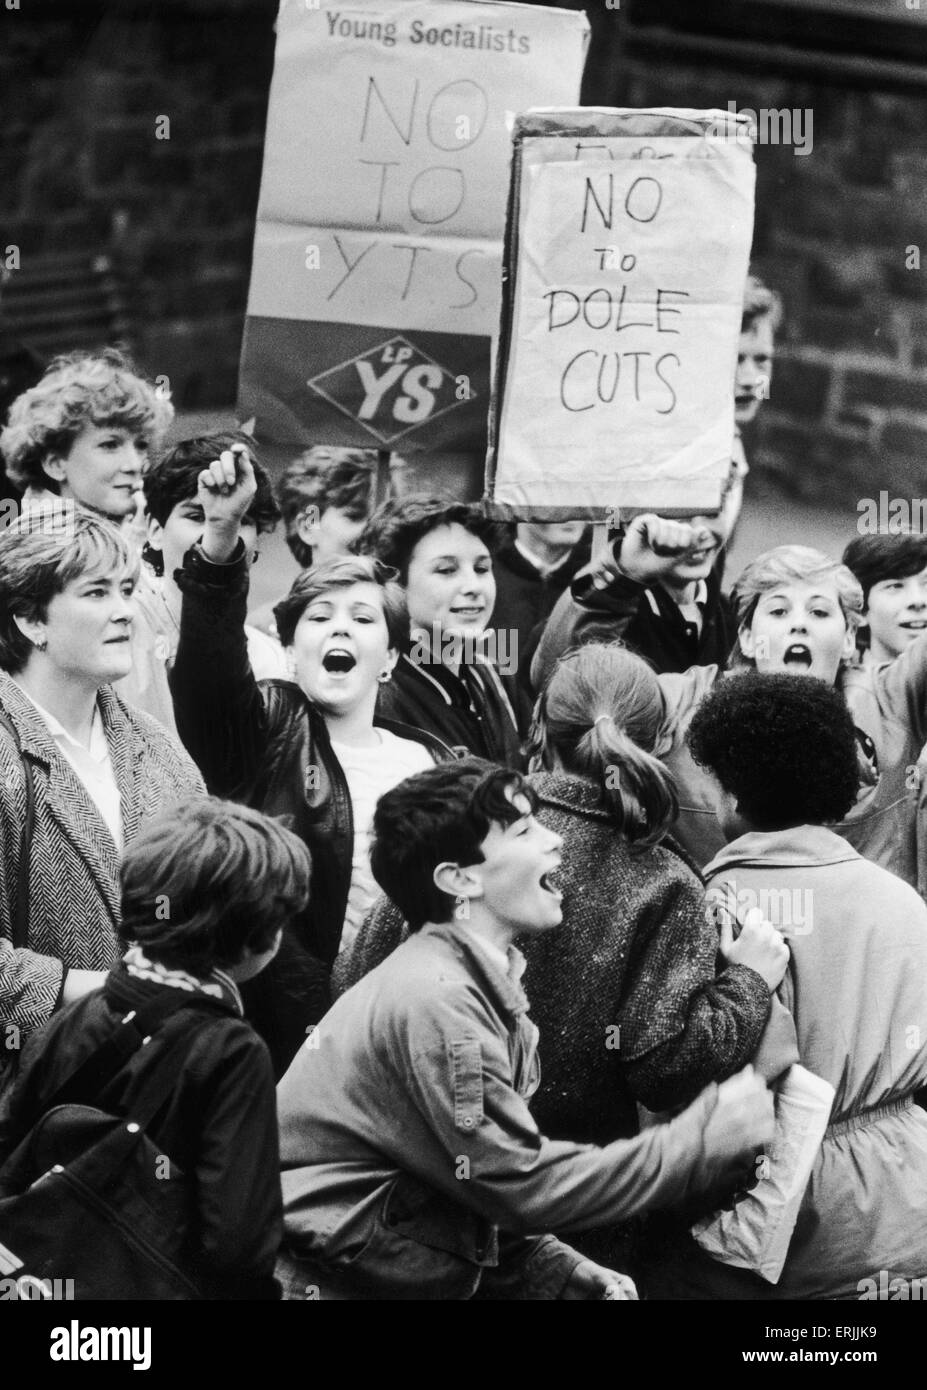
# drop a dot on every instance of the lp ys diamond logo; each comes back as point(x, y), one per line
point(391, 389)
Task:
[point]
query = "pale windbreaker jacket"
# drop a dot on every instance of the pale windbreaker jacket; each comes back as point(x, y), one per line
point(408, 1151)
point(857, 990)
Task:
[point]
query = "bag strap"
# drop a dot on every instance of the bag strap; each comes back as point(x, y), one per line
point(21, 915)
point(132, 1032)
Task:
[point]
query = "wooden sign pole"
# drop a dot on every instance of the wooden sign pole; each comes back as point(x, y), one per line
point(599, 541)
point(382, 485)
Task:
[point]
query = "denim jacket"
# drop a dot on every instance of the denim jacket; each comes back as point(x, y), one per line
point(411, 1161)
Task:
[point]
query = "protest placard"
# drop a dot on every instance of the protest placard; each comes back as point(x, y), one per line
point(375, 284)
point(627, 248)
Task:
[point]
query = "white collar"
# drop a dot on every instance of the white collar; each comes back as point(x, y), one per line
point(511, 963)
point(544, 567)
point(701, 596)
point(98, 747)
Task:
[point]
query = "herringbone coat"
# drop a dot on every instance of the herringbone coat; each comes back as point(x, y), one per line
point(74, 864)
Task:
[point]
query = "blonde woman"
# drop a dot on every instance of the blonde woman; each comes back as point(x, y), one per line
point(85, 433)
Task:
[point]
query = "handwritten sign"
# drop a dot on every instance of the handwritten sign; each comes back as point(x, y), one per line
point(378, 247)
point(628, 250)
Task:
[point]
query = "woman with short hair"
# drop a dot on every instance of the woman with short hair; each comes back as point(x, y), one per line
point(80, 771)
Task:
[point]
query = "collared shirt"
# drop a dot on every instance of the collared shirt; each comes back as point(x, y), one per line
point(510, 962)
point(543, 567)
point(92, 765)
point(692, 614)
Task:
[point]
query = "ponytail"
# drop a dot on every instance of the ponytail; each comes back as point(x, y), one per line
point(600, 716)
point(636, 787)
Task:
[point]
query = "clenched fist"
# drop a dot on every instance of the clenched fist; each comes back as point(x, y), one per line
point(652, 545)
point(743, 1120)
point(225, 491)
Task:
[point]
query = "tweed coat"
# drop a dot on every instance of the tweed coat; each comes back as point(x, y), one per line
point(74, 865)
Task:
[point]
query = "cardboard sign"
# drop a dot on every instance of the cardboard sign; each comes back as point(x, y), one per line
point(378, 247)
point(627, 250)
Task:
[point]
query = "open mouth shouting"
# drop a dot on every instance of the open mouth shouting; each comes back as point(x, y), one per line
point(798, 657)
point(338, 661)
point(548, 884)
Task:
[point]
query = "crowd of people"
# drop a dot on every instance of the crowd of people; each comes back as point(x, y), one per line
point(530, 951)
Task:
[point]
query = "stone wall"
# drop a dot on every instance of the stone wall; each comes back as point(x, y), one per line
point(840, 231)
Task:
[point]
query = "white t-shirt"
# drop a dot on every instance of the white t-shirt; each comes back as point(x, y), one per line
point(370, 772)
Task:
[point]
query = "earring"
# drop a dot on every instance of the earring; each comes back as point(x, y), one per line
point(41, 646)
point(462, 910)
point(384, 676)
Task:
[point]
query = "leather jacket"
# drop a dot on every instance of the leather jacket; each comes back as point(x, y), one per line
point(265, 744)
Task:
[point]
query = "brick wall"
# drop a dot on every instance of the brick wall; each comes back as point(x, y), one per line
point(82, 85)
point(848, 409)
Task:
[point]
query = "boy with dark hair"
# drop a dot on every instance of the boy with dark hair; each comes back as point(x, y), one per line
point(173, 481)
point(783, 753)
point(412, 1167)
point(175, 524)
point(206, 889)
point(892, 570)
